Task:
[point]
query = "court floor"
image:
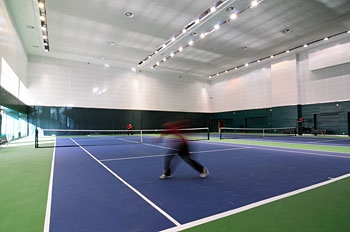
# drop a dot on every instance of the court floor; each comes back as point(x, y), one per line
point(117, 187)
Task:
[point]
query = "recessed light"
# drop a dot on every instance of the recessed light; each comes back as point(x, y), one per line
point(129, 14)
point(233, 16)
point(286, 31)
point(229, 9)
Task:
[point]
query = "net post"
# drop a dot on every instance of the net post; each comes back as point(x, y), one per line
point(36, 138)
point(263, 132)
point(220, 133)
point(141, 136)
point(208, 133)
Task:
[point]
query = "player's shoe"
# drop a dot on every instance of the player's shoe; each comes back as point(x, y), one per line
point(205, 173)
point(163, 177)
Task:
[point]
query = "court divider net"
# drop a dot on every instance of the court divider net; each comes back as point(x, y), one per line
point(236, 133)
point(76, 137)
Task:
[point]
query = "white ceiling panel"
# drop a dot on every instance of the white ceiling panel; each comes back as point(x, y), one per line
point(82, 30)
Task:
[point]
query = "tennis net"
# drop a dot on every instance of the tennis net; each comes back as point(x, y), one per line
point(69, 137)
point(234, 133)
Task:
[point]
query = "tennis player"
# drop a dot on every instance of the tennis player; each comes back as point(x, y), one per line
point(180, 145)
point(129, 127)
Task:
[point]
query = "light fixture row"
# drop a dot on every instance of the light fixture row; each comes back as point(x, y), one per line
point(279, 53)
point(233, 15)
point(43, 23)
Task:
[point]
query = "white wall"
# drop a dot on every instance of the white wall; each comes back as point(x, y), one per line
point(11, 49)
point(324, 73)
point(57, 82)
point(317, 75)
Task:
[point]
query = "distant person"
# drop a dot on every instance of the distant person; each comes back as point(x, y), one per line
point(180, 145)
point(129, 127)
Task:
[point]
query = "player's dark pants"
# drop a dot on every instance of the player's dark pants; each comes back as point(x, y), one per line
point(182, 151)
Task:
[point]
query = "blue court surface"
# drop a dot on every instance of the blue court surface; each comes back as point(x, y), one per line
point(117, 187)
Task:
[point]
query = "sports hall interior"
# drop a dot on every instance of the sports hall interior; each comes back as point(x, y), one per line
point(99, 65)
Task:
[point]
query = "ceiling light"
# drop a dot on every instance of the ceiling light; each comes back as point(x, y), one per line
point(41, 5)
point(325, 38)
point(229, 9)
point(164, 46)
point(272, 56)
point(349, 32)
point(44, 36)
point(286, 31)
point(221, 8)
point(305, 45)
point(287, 51)
point(233, 16)
point(133, 69)
point(42, 18)
point(246, 64)
point(164, 59)
point(172, 54)
point(129, 14)
point(43, 28)
point(106, 65)
point(254, 4)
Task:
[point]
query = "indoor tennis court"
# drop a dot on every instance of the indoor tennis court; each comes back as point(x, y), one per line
point(160, 115)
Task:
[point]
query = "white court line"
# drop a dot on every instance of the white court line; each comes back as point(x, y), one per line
point(49, 194)
point(250, 206)
point(321, 142)
point(153, 156)
point(133, 157)
point(291, 150)
point(130, 187)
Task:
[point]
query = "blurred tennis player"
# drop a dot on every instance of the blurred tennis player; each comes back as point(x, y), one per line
point(129, 127)
point(180, 145)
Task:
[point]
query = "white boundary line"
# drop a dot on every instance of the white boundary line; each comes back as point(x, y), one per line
point(250, 206)
point(290, 150)
point(131, 187)
point(153, 156)
point(49, 194)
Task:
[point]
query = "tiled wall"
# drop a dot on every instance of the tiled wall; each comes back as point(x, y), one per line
point(11, 49)
point(57, 82)
point(288, 80)
point(324, 73)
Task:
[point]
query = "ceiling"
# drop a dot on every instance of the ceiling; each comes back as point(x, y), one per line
point(83, 30)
